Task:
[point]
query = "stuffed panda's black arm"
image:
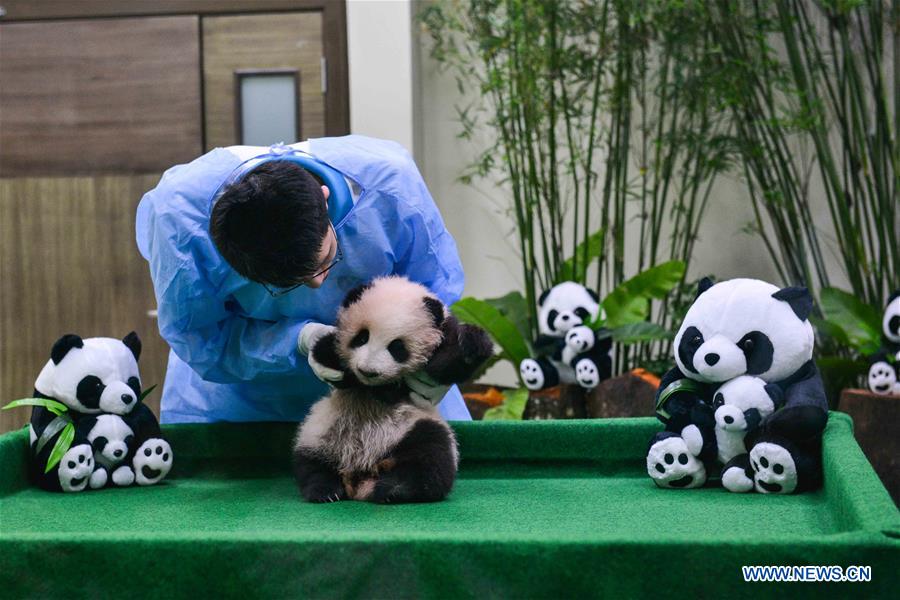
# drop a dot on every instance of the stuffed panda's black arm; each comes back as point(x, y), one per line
point(463, 350)
point(545, 345)
point(682, 406)
point(805, 411)
point(325, 352)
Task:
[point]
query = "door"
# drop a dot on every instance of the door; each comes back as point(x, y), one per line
point(93, 108)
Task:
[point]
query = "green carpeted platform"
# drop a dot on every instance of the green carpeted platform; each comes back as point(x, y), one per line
point(553, 509)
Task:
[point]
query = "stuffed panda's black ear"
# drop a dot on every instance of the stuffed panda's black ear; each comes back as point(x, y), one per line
point(133, 342)
point(63, 345)
point(893, 297)
point(593, 295)
point(543, 297)
point(799, 298)
point(355, 294)
point(703, 285)
point(436, 308)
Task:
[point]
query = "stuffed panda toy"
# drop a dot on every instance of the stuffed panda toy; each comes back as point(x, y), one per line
point(743, 327)
point(371, 439)
point(890, 326)
point(740, 405)
point(567, 350)
point(117, 438)
point(883, 375)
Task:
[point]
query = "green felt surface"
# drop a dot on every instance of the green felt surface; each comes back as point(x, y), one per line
point(539, 509)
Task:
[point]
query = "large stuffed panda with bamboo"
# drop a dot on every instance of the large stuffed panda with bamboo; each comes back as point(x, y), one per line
point(372, 439)
point(744, 348)
point(94, 385)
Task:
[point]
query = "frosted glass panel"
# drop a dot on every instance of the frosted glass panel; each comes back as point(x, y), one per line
point(268, 109)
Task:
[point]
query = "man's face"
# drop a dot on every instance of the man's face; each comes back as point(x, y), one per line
point(327, 252)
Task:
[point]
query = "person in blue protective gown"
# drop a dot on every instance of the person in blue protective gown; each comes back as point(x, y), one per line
point(240, 328)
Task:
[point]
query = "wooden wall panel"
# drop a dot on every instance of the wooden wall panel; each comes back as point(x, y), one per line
point(69, 263)
point(270, 41)
point(99, 96)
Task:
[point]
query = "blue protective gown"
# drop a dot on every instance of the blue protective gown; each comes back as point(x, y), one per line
point(234, 355)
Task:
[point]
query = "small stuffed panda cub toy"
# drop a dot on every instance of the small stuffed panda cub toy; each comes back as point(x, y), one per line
point(117, 438)
point(567, 350)
point(740, 405)
point(371, 439)
point(890, 326)
point(883, 377)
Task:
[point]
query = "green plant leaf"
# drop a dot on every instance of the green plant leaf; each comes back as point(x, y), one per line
point(859, 323)
point(62, 445)
point(147, 392)
point(512, 409)
point(593, 246)
point(500, 328)
point(630, 301)
point(54, 406)
point(640, 332)
point(514, 307)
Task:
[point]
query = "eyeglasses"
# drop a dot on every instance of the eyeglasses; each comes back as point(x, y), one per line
point(338, 257)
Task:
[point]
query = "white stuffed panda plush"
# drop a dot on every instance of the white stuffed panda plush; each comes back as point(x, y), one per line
point(883, 375)
point(567, 351)
point(890, 326)
point(736, 328)
point(371, 439)
point(740, 405)
point(117, 438)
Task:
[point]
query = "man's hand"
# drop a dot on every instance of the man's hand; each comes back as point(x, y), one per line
point(425, 390)
point(306, 341)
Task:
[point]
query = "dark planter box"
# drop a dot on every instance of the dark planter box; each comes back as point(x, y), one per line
point(876, 425)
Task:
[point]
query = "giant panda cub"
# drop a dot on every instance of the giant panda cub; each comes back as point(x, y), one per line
point(370, 440)
point(117, 438)
point(743, 327)
point(890, 325)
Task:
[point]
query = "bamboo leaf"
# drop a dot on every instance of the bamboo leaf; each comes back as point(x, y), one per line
point(503, 331)
point(54, 406)
point(585, 253)
point(630, 301)
point(640, 332)
point(512, 409)
point(850, 320)
point(147, 392)
point(514, 307)
point(62, 445)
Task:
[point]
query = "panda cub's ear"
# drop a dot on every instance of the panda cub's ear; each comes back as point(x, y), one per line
point(63, 345)
point(799, 299)
point(355, 294)
point(436, 308)
point(893, 297)
point(133, 343)
point(543, 297)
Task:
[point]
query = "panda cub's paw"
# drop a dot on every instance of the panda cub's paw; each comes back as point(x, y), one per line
point(671, 465)
point(734, 479)
point(532, 374)
point(75, 468)
point(586, 374)
point(774, 470)
point(152, 461)
point(123, 476)
point(580, 339)
point(99, 478)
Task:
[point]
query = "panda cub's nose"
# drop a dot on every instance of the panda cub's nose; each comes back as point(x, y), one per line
point(711, 358)
point(126, 398)
point(368, 373)
point(117, 453)
point(565, 317)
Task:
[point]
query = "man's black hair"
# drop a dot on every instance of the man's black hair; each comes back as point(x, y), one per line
point(270, 225)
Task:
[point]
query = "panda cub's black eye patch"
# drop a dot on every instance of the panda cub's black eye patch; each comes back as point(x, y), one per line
point(360, 339)
point(398, 350)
